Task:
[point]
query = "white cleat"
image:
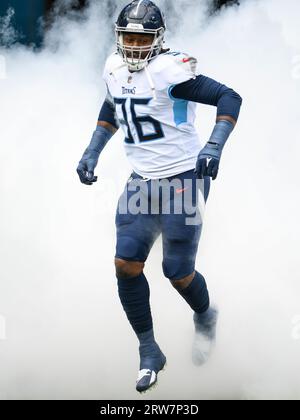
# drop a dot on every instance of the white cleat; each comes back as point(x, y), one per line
point(147, 378)
point(205, 336)
point(152, 361)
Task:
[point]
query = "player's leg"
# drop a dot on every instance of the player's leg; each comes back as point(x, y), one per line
point(180, 245)
point(193, 289)
point(136, 234)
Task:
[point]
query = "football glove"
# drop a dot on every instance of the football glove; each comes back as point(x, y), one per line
point(209, 157)
point(90, 158)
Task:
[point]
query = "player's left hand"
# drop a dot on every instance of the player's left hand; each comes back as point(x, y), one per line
point(207, 167)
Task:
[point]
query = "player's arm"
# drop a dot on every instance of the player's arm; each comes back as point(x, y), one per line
point(207, 91)
point(107, 126)
point(107, 116)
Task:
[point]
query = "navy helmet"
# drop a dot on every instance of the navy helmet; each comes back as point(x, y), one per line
point(143, 17)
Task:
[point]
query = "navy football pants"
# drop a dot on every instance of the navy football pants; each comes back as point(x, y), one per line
point(147, 209)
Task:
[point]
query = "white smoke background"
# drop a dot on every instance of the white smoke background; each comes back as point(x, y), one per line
point(63, 332)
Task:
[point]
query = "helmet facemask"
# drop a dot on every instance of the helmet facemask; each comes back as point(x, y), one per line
point(136, 58)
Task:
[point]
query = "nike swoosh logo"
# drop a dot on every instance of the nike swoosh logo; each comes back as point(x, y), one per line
point(180, 191)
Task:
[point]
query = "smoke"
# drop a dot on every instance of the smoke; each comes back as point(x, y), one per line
point(8, 35)
point(63, 333)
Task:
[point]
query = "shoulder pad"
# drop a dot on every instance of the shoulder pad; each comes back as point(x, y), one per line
point(172, 68)
point(113, 62)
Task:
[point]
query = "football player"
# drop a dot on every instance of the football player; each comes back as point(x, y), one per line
point(152, 94)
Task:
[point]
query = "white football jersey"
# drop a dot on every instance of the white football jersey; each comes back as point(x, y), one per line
point(160, 138)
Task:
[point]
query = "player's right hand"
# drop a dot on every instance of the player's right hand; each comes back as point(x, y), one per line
point(87, 167)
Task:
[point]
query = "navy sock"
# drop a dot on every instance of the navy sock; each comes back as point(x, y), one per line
point(134, 294)
point(150, 352)
point(196, 294)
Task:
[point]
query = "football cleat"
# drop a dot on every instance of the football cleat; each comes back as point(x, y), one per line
point(147, 378)
point(205, 336)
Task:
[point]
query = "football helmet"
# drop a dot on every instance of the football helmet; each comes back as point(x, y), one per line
point(141, 17)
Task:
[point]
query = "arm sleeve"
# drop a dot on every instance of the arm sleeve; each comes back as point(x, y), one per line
point(108, 112)
point(207, 91)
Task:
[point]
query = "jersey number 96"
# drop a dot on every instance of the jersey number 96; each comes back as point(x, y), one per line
point(138, 121)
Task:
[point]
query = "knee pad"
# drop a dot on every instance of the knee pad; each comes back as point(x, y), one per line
point(131, 249)
point(177, 268)
point(180, 245)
